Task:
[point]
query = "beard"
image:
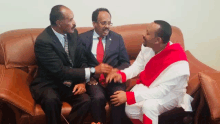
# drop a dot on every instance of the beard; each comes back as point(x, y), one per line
point(74, 26)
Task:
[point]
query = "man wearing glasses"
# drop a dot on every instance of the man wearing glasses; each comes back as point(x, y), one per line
point(106, 52)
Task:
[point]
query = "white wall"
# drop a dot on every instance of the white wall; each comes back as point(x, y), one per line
point(198, 19)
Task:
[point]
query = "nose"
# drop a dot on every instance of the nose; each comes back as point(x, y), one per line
point(107, 25)
point(73, 22)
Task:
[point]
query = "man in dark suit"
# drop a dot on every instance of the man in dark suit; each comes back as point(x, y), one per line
point(61, 62)
point(105, 52)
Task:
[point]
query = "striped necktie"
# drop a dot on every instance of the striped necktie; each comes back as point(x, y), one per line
point(66, 49)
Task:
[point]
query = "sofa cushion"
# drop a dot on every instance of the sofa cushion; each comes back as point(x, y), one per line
point(17, 48)
point(210, 83)
point(66, 108)
point(193, 85)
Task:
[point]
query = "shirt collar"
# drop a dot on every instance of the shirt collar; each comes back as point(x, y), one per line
point(58, 34)
point(95, 35)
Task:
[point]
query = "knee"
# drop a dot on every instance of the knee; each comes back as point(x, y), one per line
point(118, 108)
point(130, 112)
point(113, 87)
point(99, 99)
point(50, 101)
point(86, 98)
point(150, 108)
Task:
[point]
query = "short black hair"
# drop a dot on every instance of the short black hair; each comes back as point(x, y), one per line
point(96, 13)
point(56, 14)
point(164, 32)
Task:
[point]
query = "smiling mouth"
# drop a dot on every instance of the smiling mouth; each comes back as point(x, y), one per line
point(106, 30)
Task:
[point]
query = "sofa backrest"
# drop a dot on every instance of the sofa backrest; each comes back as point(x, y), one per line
point(17, 46)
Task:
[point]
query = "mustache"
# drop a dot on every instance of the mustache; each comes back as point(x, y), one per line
point(74, 26)
point(106, 29)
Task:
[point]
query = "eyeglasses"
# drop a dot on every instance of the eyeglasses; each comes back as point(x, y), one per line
point(104, 23)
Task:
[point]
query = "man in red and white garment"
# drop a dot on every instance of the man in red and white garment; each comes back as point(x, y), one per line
point(164, 72)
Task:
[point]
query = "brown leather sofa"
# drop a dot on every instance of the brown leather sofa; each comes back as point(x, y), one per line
point(210, 84)
point(18, 68)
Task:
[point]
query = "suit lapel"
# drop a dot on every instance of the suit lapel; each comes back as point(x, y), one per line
point(90, 43)
point(90, 40)
point(72, 44)
point(107, 44)
point(58, 45)
point(57, 42)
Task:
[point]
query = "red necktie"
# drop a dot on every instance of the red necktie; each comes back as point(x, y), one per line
point(100, 55)
point(100, 51)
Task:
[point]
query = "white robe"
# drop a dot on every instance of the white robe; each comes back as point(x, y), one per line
point(166, 92)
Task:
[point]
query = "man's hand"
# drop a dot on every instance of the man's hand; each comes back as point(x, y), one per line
point(114, 76)
point(79, 89)
point(114, 70)
point(103, 68)
point(118, 98)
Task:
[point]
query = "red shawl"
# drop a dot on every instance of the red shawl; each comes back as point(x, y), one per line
point(158, 63)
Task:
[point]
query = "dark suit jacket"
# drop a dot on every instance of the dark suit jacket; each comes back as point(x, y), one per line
point(53, 65)
point(115, 51)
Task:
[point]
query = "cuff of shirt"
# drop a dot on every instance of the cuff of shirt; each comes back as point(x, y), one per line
point(87, 74)
point(130, 98)
point(123, 76)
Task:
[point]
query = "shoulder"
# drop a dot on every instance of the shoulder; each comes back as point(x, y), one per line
point(86, 34)
point(112, 33)
point(44, 36)
point(115, 37)
point(85, 37)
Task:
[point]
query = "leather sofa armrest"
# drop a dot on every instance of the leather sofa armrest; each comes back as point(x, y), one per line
point(14, 89)
point(210, 84)
point(196, 66)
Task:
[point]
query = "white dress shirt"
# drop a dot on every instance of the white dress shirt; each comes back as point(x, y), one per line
point(95, 43)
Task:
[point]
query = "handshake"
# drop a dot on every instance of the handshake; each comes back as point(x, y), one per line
point(106, 74)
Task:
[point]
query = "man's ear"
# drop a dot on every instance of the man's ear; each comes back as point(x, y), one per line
point(94, 24)
point(159, 40)
point(58, 23)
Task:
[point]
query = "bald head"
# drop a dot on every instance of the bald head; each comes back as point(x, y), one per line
point(164, 31)
point(62, 19)
point(58, 13)
point(157, 35)
point(154, 27)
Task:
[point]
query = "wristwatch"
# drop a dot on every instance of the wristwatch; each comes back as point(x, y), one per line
point(92, 71)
